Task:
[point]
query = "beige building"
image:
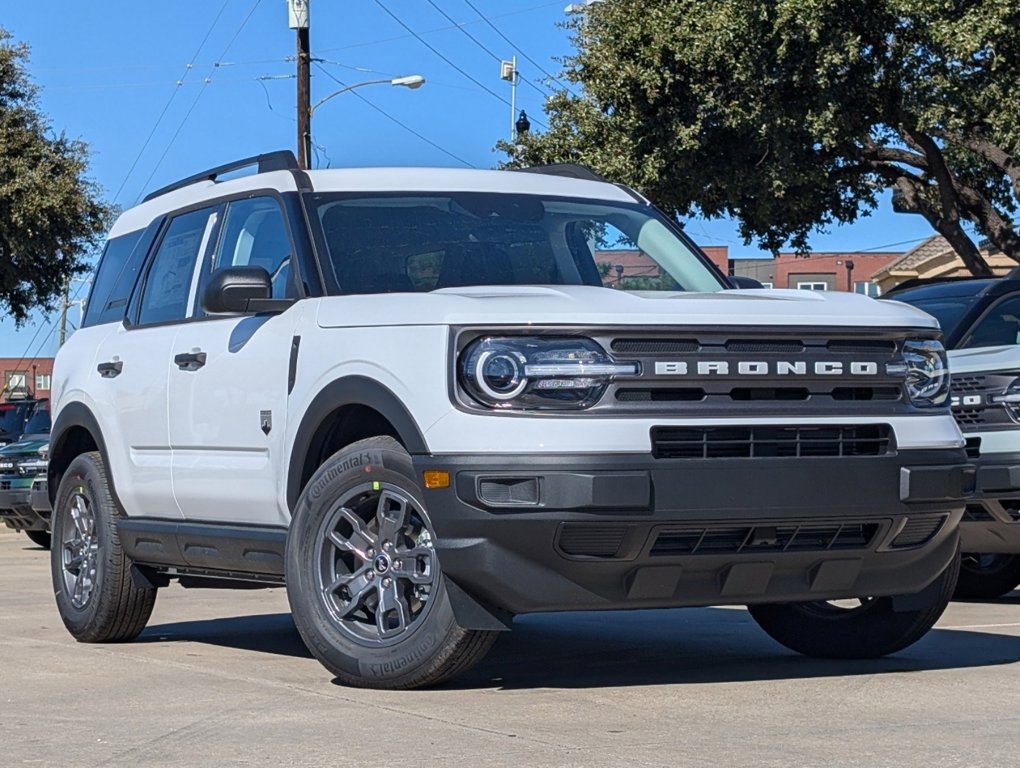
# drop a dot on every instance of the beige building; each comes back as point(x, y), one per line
point(934, 258)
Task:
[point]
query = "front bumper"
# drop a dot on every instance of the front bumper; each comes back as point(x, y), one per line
point(17, 513)
point(991, 523)
point(528, 533)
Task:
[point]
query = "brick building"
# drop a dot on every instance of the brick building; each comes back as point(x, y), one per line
point(851, 270)
point(26, 377)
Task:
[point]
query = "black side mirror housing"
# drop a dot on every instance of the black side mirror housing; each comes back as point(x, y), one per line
point(239, 290)
point(741, 282)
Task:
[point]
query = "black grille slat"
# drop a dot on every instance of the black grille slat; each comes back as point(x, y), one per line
point(660, 394)
point(918, 530)
point(769, 442)
point(656, 346)
point(808, 537)
point(861, 346)
point(592, 540)
point(765, 346)
point(969, 383)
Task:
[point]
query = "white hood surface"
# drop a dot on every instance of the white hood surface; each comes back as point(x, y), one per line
point(595, 306)
point(985, 359)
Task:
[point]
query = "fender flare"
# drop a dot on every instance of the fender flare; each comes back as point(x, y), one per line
point(350, 390)
point(76, 414)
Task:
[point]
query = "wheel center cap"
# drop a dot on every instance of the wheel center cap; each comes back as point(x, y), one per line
point(381, 563)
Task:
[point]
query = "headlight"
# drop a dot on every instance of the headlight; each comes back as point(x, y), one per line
point(925, 372)
point(538, 373)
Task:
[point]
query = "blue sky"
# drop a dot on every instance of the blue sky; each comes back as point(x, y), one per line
point(161, 90)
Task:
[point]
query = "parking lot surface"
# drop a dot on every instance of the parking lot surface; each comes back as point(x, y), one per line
point(221, 678)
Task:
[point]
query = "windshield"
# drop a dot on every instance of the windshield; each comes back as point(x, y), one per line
point(12, 417)
point(948, 310)
point(425, 242)
point(39, 423)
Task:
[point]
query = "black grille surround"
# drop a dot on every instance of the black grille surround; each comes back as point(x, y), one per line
point(761, 441)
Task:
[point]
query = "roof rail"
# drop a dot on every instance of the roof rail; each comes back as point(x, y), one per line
point(570, 170)
point(281, 160)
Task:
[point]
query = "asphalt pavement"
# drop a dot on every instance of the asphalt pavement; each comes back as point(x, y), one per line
point(221, 678)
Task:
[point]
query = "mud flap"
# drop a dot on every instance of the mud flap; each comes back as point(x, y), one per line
point(471, 614)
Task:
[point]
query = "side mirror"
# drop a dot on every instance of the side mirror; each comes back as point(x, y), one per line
point(238, 290)
point(742, 282)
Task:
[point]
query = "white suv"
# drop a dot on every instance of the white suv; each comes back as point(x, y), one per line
point(407, 395)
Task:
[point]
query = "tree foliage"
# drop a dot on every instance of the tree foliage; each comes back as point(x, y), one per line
point(51, 213)
point(790, 115)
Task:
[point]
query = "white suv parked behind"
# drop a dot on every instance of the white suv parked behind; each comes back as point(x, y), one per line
point(407, 395)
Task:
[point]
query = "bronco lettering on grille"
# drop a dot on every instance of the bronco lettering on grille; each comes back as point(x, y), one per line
point(764, 368)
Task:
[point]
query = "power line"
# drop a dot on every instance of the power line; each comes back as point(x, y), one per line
point(198, 96)
point(386, 114)
point(166, 106)
point(517, 48)
point(428, 45)
point(481, 45)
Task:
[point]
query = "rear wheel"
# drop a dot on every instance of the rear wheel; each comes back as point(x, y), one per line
point(987, 576)
point(866, 628)
point(363, 576)
point(41, 538)
point(96, 597)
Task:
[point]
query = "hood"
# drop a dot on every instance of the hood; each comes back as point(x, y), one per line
point(594, 306)
point(985, 359)
point(23, 446)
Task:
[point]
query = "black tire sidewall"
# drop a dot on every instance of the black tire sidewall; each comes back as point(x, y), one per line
point(81, 476)
point(388, 666)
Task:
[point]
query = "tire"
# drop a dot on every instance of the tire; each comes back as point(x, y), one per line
point(41, 538)
point(360, 539)
point(987, 576)
point(867, 631)
point(96, 597)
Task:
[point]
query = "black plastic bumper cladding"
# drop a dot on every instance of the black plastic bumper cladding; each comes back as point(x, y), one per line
point(991, 523)
point(541, 533)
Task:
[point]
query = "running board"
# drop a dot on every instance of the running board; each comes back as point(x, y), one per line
point(211, 550)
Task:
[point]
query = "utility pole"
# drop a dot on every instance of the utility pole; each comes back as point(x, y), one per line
point(63, 314)
point(508, 72)
point(298, 11)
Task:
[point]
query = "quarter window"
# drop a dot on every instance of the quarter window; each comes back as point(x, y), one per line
point(170, 282)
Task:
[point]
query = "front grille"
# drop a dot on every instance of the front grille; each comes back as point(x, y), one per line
point(917, 531)
point(969, 417)
point(969, 383)
point(809, 537)
point(770, 442)
point(655, 346)
point(583, 540)
point(765, 346)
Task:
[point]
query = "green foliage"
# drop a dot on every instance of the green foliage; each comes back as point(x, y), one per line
point(51, 214)
point(791, 115)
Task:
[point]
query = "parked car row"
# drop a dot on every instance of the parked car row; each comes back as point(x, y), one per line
point(980, 318)
point(24, 500)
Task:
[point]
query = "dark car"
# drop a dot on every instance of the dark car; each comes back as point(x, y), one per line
point(981, 321)
point(21, 464)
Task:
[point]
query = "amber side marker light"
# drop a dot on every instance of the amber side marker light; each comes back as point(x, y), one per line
point(436, 478)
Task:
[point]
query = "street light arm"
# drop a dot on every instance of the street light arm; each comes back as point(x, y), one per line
point(344, 90)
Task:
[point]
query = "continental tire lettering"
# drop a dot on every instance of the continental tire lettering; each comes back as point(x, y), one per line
point(364, 459)
point(418, 653)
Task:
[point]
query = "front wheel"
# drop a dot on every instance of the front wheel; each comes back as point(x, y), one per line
point(363, 576)
point(96, 597)
point(864, 629)
point(984, 577)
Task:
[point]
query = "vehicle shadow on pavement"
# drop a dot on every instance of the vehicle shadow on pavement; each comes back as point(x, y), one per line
point(627, 648)
point(265, 633)
point(708, 645)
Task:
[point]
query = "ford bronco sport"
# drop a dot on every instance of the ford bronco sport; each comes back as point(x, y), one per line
point(407, 395)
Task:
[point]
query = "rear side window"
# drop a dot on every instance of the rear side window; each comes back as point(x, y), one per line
point(113, 280)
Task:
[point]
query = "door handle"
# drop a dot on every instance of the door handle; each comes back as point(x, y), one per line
point(110, 370)
point(190, 361)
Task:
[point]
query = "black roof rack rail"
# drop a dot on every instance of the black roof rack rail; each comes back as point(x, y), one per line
point(570, 170)
point(281, 160)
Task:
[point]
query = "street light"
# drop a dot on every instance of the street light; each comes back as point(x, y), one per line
point(406, 81)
